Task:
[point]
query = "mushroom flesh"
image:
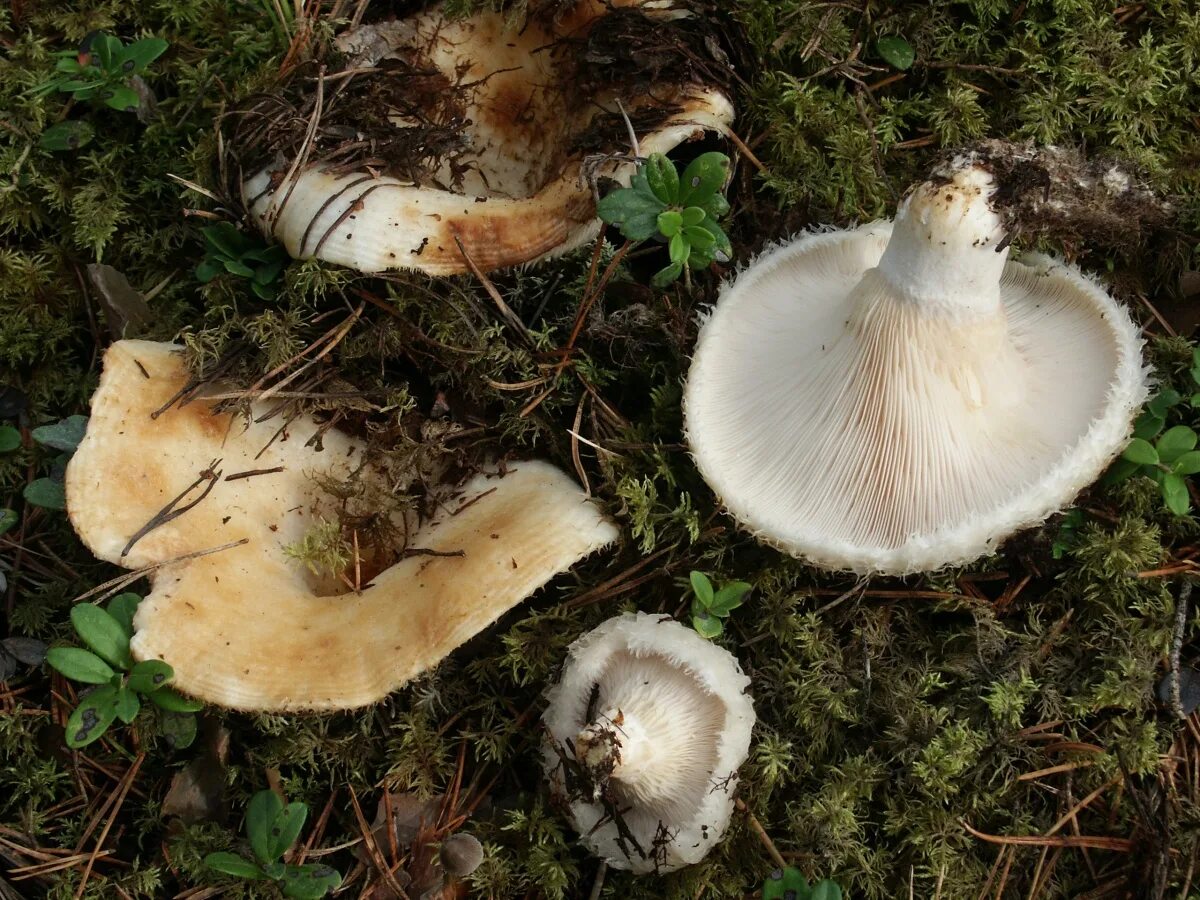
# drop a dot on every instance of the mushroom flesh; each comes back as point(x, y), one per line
point(490, 136)
point(902, 396)
point(646, 730)
point(247, 625)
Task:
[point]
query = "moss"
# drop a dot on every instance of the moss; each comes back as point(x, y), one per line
point(886, 721)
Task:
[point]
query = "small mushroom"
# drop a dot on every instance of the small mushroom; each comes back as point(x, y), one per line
point(646, 730)
point(900, 397)
point(488, 133)
point(461, 854)
point(248, 626)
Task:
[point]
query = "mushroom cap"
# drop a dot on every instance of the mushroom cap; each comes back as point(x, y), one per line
point(689, 698)
point(518, 192)
point(461, 854)
point(895, 399)
point(249, 627)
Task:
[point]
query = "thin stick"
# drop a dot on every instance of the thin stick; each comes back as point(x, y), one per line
point(765, 838)
point(169, 513)
point(122, 794)
point(113, 585)
point(506, 313)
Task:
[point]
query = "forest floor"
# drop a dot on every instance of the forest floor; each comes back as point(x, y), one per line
point(992, 731)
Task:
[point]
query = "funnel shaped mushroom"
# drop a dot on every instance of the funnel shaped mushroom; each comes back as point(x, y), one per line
point(248, 627)
point(901, 397)
point(646, 731)
point(484, 137)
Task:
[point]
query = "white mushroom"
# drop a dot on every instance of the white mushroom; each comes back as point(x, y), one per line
point(513, 184)
point(250, 626)
point(902, 397)
point(646, 730)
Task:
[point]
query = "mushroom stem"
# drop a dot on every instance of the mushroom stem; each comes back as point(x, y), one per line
point(947, 251)
point(623, 746)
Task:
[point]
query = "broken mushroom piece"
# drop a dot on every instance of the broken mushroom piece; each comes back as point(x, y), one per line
point(470, 129)
point(646, 730)
point(901, 397)
point(248, 626)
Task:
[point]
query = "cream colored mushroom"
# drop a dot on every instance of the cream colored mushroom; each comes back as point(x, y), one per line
point(901, 397)
point(517, 189)
point(249, 627)
point(646, 730)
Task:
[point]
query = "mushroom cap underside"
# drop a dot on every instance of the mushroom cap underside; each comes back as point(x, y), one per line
point(695, 693)
point(848, 426)
point(249, 627)
point(518, 191)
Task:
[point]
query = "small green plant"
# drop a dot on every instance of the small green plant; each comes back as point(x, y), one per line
point(229, 250)
point(272, 828)
point(1166, 456)
point(682, 211)
point(47, 493)
point(1068, 533)
point(122, 683)
point(709, 607)
point(102, 68)
point(789, 884)
point(896, 51)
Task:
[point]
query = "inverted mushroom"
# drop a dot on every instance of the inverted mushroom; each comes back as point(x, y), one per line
point(646, 730)
point(901, 397)
point(249, 626)
point(483, 135)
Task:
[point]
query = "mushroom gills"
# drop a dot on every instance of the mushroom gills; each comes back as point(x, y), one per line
point(901, 397)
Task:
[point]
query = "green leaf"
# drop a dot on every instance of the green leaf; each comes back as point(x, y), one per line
point(123, 99)
point(1188, 464)
point(1140, 452)
point(128, 704)
point(80, 665)
point(729, 598)
point(666, 274)
point(693, 215)
point(781, 882)
point(699, 237)
point(46, 493)
point(635, 214)
point(64, 435)
point(1174, 443)
point(173, 701)
point(707, 626)
point(8, 518)
point(69, 135)
point(662, 178)
point(720, 248)
point(268, 272)
point(896, 51)
point(826, 890)
point(286, 828)
point(92, 717)
point(226, 240)
point(10, 439)
point(700, 259)
point(1163, 401)
point(232, 864)
point(139, 54)
point(208, 269)
point(1175, 494)
point(237, 267)
point(703, 176)
point(179, 729)
point(680, 249)
point(715, 206)
point(102, 633)
point(309, 882)
point(1194, 400)
point(1148, 425)
point(264, 809)
point(669, 223)
point(149, 675)
point(1120, 470)
point(105, 47)
point(122, 608)
point(275, 870)
point(702, 588)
